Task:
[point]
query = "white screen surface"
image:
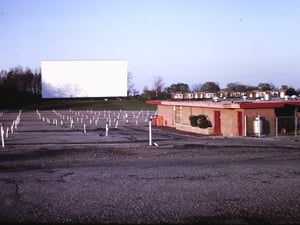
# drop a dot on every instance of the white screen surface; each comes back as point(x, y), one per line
point(73, 79)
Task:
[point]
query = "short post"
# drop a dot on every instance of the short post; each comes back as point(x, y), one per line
point(17, 121)
point(150, 131)
point(71, 123)
point(106, 128)
point(7, 130)
point(109, 121)
point(84, 128)
point(2, 135)
point(12, 128)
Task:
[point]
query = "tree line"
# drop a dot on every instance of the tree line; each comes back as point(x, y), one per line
point(19, 85)
point(160, 91)
point(22, 85)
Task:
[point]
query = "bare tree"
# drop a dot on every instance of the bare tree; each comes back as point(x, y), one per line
point(196, 87)
point(266, 86)
point(210, 87)
point(158, 85)
point(238, 87)
point(130, 85)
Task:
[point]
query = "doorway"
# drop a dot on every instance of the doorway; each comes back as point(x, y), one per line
point(217, 120)
point(240, 123)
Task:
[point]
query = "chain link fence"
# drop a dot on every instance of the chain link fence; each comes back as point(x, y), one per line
point(279, 126)
point(287, 125)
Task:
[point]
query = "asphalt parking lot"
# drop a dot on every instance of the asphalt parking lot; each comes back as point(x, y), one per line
point(65, 167)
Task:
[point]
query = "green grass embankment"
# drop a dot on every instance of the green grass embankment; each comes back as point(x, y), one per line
point(87, 104)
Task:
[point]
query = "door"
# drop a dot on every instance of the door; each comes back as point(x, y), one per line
point(240, 123)
point(217, 127)
point(178, 112)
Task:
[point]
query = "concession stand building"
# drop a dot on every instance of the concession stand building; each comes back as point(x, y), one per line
point(232, 118)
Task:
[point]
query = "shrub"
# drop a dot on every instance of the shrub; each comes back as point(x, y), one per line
point(200, 121)
point(193, 121)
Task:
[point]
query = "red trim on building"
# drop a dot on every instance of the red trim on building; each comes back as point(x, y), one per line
point(227, 105)
point(261, 105)
point(153, 102)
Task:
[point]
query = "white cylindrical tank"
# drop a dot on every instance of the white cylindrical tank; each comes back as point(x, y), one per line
point(258, 126)
point(267, 97)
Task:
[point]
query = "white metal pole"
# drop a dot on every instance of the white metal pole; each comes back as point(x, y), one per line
point(106, 129)
point(296, 120)
point(245, 126)
point(117, 122)
point(126, 118)
point(7, 130)
point(259, 132)
point(150, 131)
point(2, 136)
point(84, 128)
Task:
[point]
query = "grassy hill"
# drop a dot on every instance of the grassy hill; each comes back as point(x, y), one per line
point(84, 104)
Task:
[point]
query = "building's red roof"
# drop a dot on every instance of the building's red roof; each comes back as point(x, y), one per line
point(229, 104)
point(153, 102)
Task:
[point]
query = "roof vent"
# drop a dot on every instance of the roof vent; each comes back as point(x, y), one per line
point(216, 99)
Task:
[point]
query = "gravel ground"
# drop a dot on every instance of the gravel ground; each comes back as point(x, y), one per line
point(59, 175)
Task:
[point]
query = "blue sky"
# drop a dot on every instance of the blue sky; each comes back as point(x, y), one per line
point(190, 41)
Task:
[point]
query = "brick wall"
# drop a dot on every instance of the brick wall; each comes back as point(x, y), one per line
point(167, 112)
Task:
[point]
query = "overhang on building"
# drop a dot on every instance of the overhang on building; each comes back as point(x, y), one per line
point(232, 119)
